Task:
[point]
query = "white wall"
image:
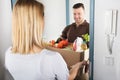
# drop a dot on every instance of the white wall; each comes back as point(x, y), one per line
point(5, 27)
point(5, 31)
point(55, 18)
point(103, 71)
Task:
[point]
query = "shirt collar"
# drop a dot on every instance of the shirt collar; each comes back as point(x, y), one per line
point(74, 24)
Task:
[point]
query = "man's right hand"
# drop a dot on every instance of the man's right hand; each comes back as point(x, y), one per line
point(58, 40)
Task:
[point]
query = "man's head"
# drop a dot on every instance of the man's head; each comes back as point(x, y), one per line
point(78, 12)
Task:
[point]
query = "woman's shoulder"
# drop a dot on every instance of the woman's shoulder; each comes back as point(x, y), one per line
point(8, 50)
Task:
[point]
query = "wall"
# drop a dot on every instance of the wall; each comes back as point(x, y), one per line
point(55, 18)
point(103, 70)
point(5, 30)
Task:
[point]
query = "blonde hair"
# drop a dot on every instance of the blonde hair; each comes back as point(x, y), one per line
point(27, 26)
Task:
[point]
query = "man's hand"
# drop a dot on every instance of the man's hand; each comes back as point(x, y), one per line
point(58, 40)
point(74, 69)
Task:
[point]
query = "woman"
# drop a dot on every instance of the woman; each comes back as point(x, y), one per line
point(28, 58)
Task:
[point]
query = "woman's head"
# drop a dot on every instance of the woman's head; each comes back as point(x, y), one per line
point(27, 25)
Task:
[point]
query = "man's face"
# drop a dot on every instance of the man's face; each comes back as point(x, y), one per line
point(78, 15)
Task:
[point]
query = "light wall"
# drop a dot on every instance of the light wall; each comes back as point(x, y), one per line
point(5, 27)
point(102, 69)
point(5, 31)
point(55, 18)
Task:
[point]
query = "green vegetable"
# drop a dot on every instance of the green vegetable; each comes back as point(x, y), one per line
point(86, 37)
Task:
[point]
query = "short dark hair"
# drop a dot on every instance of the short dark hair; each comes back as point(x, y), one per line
point(78, 5)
